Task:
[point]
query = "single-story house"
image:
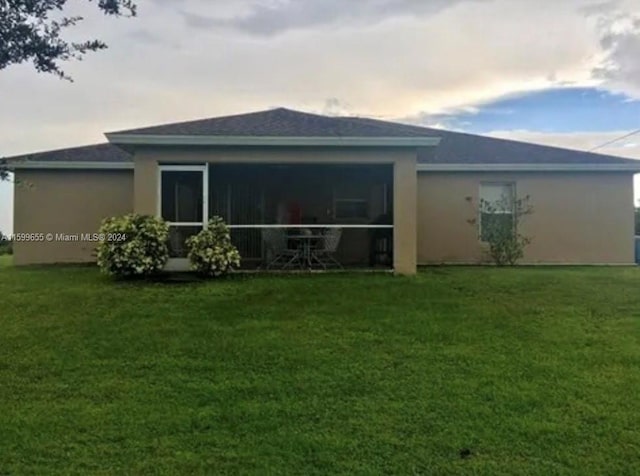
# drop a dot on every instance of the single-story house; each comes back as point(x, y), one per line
point(402, 195)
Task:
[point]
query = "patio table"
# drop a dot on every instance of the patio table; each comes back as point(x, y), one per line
point(306, 244)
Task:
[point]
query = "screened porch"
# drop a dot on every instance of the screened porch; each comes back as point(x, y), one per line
point(286, 216)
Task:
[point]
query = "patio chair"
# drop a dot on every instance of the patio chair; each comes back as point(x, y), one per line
point(278, 252)
point(325, 253)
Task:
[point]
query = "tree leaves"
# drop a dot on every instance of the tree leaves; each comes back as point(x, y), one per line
point(28, 33)
point(4, 171)
point(499, 228)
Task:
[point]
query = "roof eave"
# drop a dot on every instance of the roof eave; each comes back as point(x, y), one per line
point(531, 167)
point(269, 141)
point(68, 165)
point(635, 168)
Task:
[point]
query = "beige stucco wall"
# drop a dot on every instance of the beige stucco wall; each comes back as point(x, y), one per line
point(579, 217)
point(403, 160)
point(582, 218)
point(66, 202)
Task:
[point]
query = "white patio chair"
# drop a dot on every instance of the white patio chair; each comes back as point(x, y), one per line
point(325, 253)
point(278, 253)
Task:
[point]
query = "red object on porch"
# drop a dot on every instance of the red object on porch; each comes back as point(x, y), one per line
point(295, 214)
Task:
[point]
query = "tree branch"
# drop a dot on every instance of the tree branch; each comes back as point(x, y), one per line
point(27, 33)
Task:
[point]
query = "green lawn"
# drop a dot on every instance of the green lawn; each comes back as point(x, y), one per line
point(5, 260)
point(534, 371)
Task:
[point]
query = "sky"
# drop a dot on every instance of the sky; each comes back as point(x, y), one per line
point(562, 73)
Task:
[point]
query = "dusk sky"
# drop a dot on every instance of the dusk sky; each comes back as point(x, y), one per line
point(563, 73)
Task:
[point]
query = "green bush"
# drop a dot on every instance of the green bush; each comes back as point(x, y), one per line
point(6, 245)
point(6, 248)
point(211, 252)
point(133, 246)
point(500, 232)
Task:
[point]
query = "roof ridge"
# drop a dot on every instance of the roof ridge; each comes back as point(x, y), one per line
point(326, 116)
point(202, 119)
point(272, 122)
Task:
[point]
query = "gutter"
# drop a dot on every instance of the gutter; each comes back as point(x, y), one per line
point(625, 167)
point(421, 168)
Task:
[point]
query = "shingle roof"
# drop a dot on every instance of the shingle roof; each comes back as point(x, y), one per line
point(88, 153)
point(463, 148)
point(279, 123)
point(454, 148)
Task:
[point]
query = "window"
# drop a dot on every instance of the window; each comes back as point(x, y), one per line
point(496, 208)
point(350, 201)
point(351, 208)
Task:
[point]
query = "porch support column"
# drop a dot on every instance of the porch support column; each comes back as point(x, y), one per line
point(405, 215)
point(145, 182)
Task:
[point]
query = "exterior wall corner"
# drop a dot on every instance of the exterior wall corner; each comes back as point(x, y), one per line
point(405, 235)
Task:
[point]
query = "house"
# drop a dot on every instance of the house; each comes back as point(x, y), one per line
point(402, 195)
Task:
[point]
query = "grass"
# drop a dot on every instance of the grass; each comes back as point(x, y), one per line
point(533, 371)
point(5, 261)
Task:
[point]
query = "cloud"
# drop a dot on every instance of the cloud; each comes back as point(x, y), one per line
point(618, 24)
point(387, 58)
point(561, 109)
point(336, 107)
point(600, 8)
point(273, 17)
point(398, 67)
point(621, 68)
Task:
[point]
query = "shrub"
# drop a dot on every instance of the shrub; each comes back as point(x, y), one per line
point(133, 246)
point(500, 231)
point(6, 245)
point(211, 252)
point(4, 171)
point(6, 248)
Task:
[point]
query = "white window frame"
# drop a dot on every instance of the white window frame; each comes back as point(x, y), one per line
point(180, 264)
point(511, 185)
point(204, 169)
point(348, 200)
point(338, 197)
